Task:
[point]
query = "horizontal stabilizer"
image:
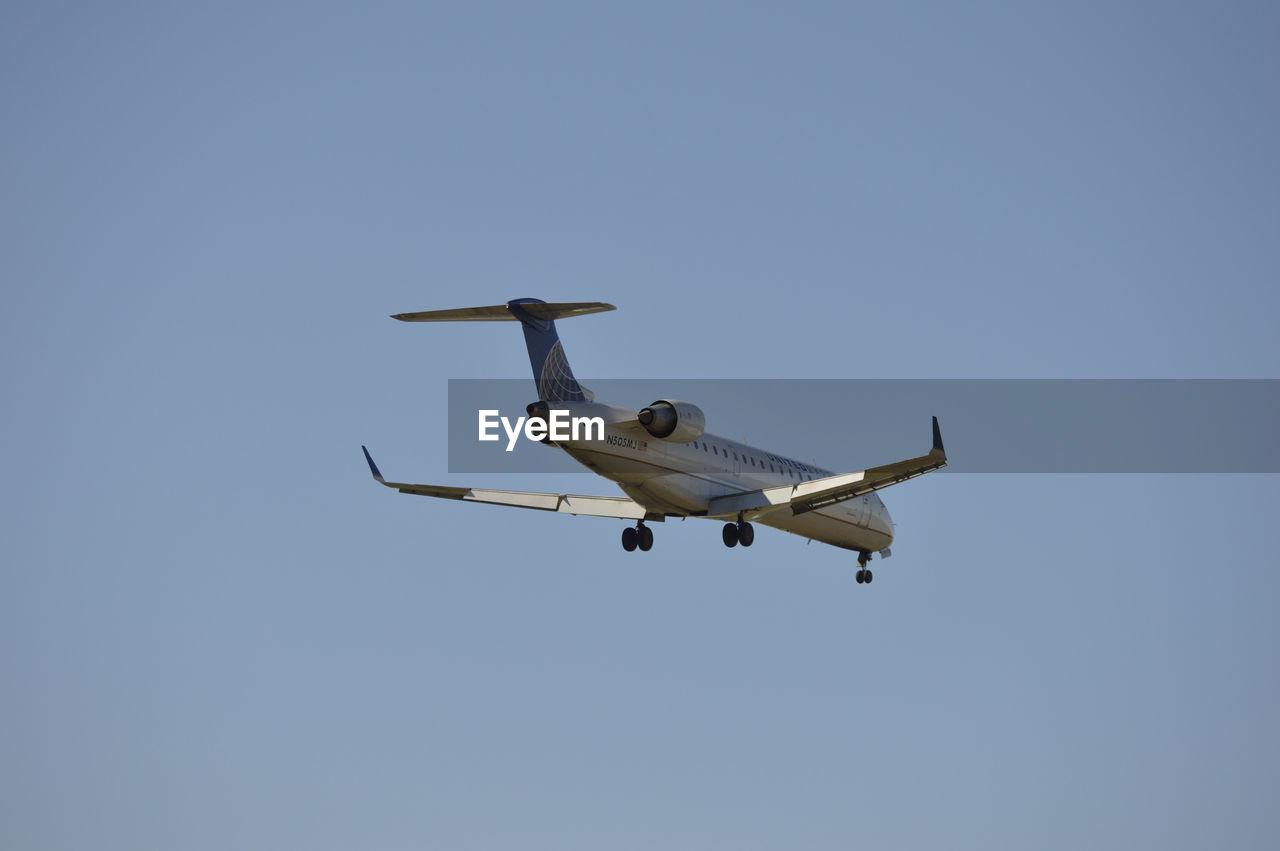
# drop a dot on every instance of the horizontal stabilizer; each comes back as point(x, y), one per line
point(561, 503)
point(502, 313)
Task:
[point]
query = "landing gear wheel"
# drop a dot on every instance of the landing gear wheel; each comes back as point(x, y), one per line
point(867, 578)
point(629, 539)
point(860, 576)
point(746, 534)
point(729, 534)
point(645, 536)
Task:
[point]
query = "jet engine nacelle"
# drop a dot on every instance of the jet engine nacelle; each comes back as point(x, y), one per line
point(671, 419)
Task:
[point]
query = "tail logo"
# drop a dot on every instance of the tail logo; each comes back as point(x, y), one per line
point(556, 383)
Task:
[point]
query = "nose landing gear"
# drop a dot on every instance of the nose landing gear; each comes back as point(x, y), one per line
point(863, 576)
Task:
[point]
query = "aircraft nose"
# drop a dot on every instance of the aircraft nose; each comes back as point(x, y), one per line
point(886, 522)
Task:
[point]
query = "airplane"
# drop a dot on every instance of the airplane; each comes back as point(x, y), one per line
point(669, 466)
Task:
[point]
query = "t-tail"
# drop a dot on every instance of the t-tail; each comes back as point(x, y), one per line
point(551, 370)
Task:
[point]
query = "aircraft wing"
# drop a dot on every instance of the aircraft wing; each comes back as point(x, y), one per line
point(563, 503)
point(820, 493)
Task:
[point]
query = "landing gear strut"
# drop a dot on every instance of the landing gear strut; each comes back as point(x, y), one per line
point(863, 576)
point(639, 535)
point(738, 533)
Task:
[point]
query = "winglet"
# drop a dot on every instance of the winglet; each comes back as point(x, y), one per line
point(937, 440)
point(373, 468)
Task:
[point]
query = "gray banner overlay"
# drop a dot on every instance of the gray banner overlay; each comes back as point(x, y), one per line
point(988, 425)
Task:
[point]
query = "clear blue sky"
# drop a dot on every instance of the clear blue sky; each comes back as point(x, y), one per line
point(216, 632)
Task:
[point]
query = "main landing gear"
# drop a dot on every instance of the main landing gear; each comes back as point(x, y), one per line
point(738, 533)
point(638, 535)
point(863, 576)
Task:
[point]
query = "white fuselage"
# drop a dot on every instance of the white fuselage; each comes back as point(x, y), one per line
point(681, 479)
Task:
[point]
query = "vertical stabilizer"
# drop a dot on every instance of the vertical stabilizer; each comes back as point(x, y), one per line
point(551, 370)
